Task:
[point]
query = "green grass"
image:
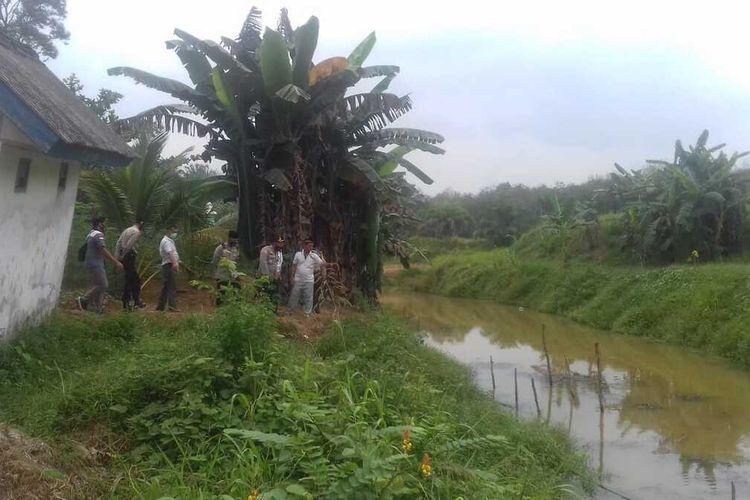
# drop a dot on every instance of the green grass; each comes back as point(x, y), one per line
point(705, 307)
point(221, 405)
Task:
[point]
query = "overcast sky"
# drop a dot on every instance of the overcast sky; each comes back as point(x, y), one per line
point(526, 92)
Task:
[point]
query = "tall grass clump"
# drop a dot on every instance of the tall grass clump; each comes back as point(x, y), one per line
point(211, 406)
point(700, 306)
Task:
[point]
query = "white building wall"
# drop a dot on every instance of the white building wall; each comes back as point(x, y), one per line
point(34, 232)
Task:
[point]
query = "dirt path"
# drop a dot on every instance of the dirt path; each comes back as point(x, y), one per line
point(29, 469)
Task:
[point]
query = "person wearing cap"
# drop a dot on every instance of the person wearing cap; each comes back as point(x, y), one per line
point(304, 265)
point(96, 252)
point(269, 265)
point(126, 252)
point(223, 274)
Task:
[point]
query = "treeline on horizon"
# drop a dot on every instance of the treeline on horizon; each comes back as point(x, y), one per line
point(689, 209)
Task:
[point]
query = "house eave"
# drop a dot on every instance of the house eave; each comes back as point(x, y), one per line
point(47, 141)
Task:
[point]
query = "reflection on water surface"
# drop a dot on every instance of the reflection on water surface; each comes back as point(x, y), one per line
point(676, 424)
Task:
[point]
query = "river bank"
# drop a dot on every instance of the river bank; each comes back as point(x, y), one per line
point(704, 307)
point(139, 406)
point(675, 423)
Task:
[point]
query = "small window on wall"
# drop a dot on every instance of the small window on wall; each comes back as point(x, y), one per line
point(62, 181)
point(22, 174)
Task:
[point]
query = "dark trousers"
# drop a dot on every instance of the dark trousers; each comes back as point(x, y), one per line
point(132, 289)
point(93, 300)
point(221, 287)
point(168, 297)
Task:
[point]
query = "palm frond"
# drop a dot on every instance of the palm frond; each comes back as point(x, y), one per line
point(109, 198)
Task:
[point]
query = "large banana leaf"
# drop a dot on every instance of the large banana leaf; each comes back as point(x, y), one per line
point(249, 38)
point(414, 170)
point(226, 96)
point(222, 57)
point(292, 93)
point(413, 138)
point(195, 63)
point(360, 53)
point(167, 85)
point(375, 71)
point(274, 62)
point(369, 112)
point(411, 134)
point(366, 170)
point(165, 116)
point(383, 84)
point(305, 43)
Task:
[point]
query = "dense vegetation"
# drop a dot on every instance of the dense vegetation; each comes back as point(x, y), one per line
point(306, 154)
point(698, 306)
point(222, 405)
point(691, 208)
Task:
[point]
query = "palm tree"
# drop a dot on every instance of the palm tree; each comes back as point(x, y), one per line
point(152, 188)
point(308, 159)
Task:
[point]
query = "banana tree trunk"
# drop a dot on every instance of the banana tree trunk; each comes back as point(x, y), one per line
point(247, 221)
point(371, 283)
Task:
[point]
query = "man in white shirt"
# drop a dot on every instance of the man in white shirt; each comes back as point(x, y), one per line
point(170, 264)
point(304, 265)
point(126, 253)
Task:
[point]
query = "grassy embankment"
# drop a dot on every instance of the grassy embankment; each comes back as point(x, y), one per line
point(705, 307)
point(224, 405)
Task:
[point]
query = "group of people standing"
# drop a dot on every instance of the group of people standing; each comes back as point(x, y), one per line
point(270, 264)
point(301, 277)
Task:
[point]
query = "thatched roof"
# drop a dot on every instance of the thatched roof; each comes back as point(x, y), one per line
point(68, 128)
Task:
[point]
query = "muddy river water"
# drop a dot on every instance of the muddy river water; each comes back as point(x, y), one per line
point(676, 425)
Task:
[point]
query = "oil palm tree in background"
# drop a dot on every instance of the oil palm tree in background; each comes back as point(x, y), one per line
point(307, 158)
point(153, 189)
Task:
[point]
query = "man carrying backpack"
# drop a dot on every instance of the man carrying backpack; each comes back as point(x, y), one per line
point(93, 257)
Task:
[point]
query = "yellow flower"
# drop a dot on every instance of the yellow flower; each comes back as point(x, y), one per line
point(425, 467)
point(406, 444)
point(254, 495)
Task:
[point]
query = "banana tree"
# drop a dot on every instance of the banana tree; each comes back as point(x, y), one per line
point(693, 203)
point(308, 157)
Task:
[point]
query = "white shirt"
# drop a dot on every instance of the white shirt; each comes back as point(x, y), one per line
point(166, 249)
point(306, 267)
point(269, 262)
